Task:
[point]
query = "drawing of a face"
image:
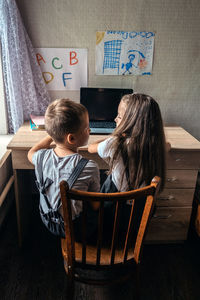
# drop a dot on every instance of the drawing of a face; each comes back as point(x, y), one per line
point(136, 58)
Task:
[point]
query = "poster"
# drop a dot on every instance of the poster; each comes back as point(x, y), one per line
point(124, 52)
point(63, 68)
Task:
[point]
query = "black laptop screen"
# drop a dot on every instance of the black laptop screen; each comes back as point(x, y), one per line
point(102, 103)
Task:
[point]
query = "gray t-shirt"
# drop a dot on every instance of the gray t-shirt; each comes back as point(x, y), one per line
point(60, 168)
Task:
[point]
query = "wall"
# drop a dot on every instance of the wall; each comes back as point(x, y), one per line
point(175, 82)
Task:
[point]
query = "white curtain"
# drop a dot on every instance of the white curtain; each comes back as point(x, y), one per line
point(25, 90)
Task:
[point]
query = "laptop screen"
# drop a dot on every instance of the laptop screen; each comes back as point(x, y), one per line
point(102, 103)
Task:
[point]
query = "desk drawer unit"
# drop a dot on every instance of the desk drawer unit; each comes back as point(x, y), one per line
point(169, 224)
point(171, 219)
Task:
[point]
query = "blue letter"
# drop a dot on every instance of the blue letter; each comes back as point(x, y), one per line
point(64, 78)
point(132, 34)
point(125, 35)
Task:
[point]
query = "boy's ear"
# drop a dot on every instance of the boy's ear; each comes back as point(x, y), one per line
point(70, 138)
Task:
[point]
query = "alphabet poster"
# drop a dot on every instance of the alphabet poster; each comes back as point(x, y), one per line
point(63, 69)
point(124, 52)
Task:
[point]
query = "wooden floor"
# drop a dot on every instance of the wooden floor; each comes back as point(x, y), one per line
point(168, 272)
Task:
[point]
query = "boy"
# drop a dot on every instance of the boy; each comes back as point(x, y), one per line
point(67, 125)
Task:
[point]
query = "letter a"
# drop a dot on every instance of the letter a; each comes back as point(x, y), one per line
point(39, 58)
point(73, 58)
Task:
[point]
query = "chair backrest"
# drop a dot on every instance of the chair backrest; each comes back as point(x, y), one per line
point(125, 244)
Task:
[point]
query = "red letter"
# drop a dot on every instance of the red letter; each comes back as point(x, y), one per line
point(72, 56)
point(39, 57)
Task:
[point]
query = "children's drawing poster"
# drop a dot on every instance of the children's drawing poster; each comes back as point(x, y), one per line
point(124, 52)
point(63, 68)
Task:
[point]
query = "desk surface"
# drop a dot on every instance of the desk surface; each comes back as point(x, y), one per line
point(179, 138)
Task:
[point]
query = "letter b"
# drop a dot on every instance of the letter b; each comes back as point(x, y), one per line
point(73, 58)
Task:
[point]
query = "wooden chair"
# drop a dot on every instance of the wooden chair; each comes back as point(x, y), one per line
point(119, 257)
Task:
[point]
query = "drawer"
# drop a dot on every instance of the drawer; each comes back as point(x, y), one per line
point(181, 179)
point(20, 160)
point(183, 160)
point(175, 198)
point(169, 224)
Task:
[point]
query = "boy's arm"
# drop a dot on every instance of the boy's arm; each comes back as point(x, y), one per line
point(92, 148)
point(43, 144)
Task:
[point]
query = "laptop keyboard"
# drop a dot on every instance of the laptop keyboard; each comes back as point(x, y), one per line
point(101, 130)
point(102, 124)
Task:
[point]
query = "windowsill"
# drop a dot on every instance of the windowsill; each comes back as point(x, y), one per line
point(4, 140)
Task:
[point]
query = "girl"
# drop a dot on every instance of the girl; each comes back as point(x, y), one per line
point(135, 152)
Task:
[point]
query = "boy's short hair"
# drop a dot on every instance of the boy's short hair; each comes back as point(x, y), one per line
point(63, 116)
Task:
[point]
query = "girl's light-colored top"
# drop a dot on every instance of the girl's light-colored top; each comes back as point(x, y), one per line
point(105, 152)
point(60, 168)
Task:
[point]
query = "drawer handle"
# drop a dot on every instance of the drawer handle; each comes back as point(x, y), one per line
point(178, 159)
point(161, 216)
point(172, 179)
point(167, 198)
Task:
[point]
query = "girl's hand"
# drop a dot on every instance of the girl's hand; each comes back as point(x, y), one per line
point(92, 148)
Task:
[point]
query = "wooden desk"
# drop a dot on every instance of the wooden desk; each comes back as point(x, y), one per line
point(174, 206)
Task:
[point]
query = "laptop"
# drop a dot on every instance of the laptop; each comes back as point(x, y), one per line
point(102, 105)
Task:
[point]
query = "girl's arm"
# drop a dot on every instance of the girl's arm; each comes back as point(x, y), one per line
point(92, 148)
point(43, 144)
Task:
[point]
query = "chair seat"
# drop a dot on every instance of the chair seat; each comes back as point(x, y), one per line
point(91, 254)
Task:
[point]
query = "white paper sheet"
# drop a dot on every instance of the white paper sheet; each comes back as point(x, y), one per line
point(124, 52)
point(63, 68)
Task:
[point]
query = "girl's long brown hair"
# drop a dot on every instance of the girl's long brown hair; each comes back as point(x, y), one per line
point(140, 141)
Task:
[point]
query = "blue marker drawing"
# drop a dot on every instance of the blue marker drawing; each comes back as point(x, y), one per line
point(66, 78)
point(134, 60)
point(112, 52)
point(146, 73)
point(129, 64)
point(124, 52)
